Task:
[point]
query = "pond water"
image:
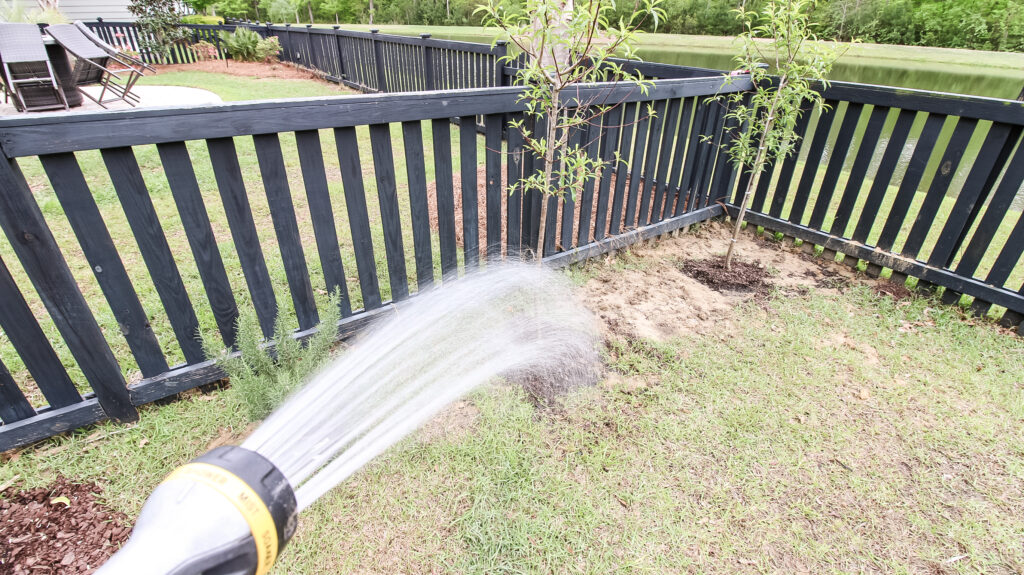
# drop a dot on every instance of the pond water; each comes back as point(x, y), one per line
point(960, 79)
point(984, 81)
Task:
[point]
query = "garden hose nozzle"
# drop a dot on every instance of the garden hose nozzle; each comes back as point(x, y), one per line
point(227, 512)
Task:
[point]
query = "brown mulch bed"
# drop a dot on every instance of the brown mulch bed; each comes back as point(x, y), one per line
point(58, 529)
point(249, 69)
point(744, 276)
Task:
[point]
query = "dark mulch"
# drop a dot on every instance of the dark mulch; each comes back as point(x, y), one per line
point(41, 533)
point(894, 290)
point(744, 276)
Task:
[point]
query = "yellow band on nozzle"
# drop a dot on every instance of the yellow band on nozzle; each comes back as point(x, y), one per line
point(248, 503)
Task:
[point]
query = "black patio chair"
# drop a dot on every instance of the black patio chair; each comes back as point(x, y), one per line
point(93, 66)
point(123, 57)
point(26, 69)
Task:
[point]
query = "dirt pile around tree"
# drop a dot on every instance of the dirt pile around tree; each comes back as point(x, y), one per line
point(58, 529)
point(661, 298)
point(741, 276)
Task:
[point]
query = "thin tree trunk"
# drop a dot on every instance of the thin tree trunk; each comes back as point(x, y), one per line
point(309, 7)
point(757, 168)
point(549, 165)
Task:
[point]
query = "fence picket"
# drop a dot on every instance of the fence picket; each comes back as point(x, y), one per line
point(358, 217)
point(321, 212)
point(282, 214)
point(156, 253)
point(387, 195)
point(444, 190)
point(23, 331)
point(228, 175)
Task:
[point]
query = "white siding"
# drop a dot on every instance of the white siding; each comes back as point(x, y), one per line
point(85, 10)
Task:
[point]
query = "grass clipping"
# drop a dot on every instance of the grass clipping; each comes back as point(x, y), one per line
point(263, 374)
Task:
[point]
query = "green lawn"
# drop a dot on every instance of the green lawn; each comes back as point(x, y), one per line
point(235, 88)
point(830, 432)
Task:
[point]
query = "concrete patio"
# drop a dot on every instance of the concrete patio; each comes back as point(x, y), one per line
point(149, 96)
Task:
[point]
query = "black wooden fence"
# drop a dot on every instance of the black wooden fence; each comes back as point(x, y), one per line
point(669, 178)
point(366, 61)
point(371, 61)
point(922, 184)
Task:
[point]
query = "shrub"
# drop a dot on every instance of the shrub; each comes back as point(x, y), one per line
point(201, 19)
point(241, 44)
point(247, 46)
point(260, 381)
point(268, 49)
point(204, 51)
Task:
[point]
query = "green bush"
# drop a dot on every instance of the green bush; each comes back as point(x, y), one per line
point(261, 380)
point(201, 19)
point(247, 46)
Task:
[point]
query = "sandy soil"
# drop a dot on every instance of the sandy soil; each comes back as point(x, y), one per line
point(654, 299)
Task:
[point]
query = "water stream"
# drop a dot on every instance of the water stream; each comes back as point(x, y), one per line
point(516, 321)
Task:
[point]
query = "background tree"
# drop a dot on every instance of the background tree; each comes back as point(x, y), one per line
point(157, 21)
point(564, 43)
point(780, 35)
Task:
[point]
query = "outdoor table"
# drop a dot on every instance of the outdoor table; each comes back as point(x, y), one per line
point(62, 69)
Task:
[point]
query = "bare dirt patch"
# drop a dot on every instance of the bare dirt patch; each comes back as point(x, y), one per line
point(658, 300)
point(58, 529)
point(248, 69)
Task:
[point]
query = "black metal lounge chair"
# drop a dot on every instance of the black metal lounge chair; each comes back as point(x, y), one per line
point(91, 66)
point(124, 58)
point(26, 69)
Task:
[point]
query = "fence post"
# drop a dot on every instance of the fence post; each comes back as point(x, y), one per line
point(309, 50)
point(500, 51)
point(288, 39)
point(428, 62)
point(378, 61)
point(337, 49)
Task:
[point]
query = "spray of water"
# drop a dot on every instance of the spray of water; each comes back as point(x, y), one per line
point(515, 321)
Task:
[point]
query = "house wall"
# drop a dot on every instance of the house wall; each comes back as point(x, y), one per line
point(115, 10)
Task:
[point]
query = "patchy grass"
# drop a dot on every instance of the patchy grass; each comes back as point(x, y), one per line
point(833, 432)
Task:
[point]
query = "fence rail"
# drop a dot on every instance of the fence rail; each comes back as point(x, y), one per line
point(371, 222)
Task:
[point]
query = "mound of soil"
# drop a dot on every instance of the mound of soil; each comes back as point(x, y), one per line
point(893, 290)
point(58, 529)
point(743, 276)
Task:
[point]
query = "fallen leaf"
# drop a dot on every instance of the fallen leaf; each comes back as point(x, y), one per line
point(61, 499)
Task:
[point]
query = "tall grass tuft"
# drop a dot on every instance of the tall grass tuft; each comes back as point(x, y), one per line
point(260, 378)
